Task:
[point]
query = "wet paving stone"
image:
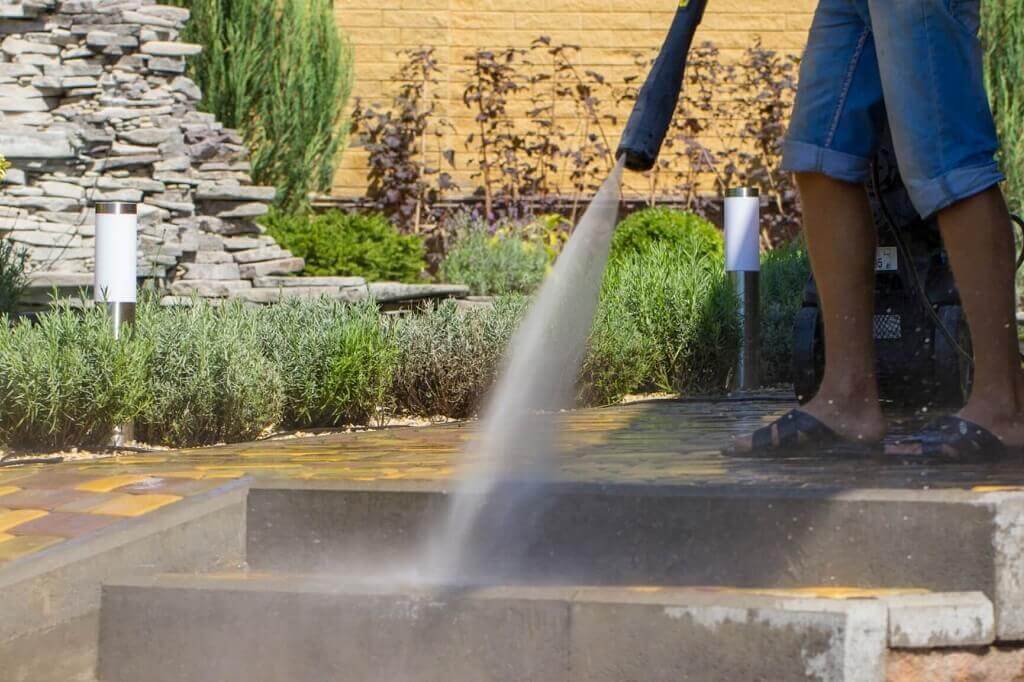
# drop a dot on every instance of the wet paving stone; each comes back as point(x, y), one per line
point(671, 442)
point(171, 486)
point(134, 505)
point(21, 546)
point(65, 525)
point(44, 498)
point(59, 476)
point(109, 483)
point(12, 518)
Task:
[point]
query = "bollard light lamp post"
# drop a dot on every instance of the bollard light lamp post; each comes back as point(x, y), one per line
point(743, 265)
point(114, 280)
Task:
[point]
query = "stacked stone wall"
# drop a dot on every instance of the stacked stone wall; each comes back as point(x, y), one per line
point(95, 105)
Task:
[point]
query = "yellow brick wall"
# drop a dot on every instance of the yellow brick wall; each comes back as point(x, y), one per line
point(610, 33)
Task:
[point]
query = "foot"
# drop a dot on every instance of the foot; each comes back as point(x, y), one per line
point(1004, 419)
point(855, 420)
point(950, 439)
point(1007, 426)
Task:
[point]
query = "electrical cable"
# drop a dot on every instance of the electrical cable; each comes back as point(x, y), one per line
point(905, 256)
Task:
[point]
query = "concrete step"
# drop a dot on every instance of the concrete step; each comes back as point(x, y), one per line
point(939, 540)
point(288, 627)
point(51, 598)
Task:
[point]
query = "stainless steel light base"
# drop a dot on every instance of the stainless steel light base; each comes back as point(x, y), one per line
point(121, 315)
point(746, 285)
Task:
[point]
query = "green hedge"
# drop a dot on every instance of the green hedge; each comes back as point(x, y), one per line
point(207, 377)
point(1003, 36)
point(338, 243)
point(66, 381)
point(213, 373)
point(784, 273)
point(644, 229)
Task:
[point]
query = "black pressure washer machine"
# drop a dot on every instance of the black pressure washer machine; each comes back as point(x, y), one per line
point(923, 343)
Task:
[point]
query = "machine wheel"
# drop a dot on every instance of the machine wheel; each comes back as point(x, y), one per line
point(808, 353)
point(953, 372)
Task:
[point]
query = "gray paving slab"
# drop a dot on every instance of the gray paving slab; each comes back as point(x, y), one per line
point(938, 540)
point(184, 627)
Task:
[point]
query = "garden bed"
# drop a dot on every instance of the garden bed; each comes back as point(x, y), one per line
point(223, 373)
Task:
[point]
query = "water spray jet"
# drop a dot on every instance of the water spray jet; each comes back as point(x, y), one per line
point(543, 359)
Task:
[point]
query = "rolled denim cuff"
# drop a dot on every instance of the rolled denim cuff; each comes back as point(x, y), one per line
point(930, 196)
point(801, 157)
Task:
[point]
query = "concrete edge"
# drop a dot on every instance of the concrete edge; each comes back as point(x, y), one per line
point(131, 529)
point(44, 592)
point(940, 619)
point(1008, 548)
point(641, 596)
point(945, 495)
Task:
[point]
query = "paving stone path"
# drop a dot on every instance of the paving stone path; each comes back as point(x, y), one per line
point(665, 442)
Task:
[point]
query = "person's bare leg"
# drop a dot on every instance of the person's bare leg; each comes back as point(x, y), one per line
point(841, 241)
point(978, 236)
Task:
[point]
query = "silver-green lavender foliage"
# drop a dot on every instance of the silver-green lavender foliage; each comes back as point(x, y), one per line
point(208, 379)
point(448, 358)
point(12, 275)
point(336, 361)
point(666, 322)
point(493, 264)
point(66, 381)
point(784, 273)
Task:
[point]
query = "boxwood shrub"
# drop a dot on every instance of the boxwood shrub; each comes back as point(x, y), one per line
point(339, 243)
point(641, 231)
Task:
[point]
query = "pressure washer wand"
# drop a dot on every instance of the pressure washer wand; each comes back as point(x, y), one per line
point(652, 114)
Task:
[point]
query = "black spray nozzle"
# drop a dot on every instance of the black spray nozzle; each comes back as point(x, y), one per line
point(652, 114)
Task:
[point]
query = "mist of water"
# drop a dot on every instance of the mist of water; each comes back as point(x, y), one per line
point(538, 378)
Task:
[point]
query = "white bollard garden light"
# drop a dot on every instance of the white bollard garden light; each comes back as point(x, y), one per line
point(743, 265)
point(114, 280)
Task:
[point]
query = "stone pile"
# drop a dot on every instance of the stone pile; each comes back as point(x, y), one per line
point(95, 106)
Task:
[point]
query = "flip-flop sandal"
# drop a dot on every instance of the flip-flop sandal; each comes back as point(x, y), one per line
point(795, 431)
point(950, 439)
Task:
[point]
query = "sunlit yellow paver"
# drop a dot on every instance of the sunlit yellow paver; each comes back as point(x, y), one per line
point(108, 483)
point(662, 442)
point(4, 537)
point(15, 517)
point(195, 475)
point(23, 545)
point(133, 505)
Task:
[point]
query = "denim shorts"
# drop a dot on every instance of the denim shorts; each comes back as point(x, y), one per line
point(914, 63)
